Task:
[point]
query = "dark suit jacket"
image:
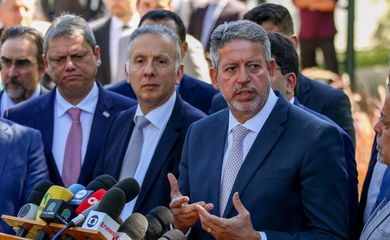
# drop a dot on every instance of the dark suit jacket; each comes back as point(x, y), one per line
point(328, 101)
point(39, 114)
point(233, 11)
point(22, 166)
point(349, 154)
point(155, 189)
point(293, 180)
point(101, 30)
point(197, 93)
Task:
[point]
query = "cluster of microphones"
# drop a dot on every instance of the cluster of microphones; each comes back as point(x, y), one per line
point(96, 207)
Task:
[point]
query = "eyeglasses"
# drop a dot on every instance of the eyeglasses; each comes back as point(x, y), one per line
point(21, 64)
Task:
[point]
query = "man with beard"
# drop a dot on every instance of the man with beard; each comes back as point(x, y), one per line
point(22, 66)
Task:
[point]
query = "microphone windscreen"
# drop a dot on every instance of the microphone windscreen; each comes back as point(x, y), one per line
point(43, 186)
point(159, 219)
point(130, 187)
point(112, 202)
point(91, 200)
point(107, 180)
point(135, 226)
point(35, 197)
point(95, 185)
point(174, 234)
point(54, 192)
point(75, 188)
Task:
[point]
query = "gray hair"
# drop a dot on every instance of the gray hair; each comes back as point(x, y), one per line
point(238, 30)
point(161, 30)
point(69, 25)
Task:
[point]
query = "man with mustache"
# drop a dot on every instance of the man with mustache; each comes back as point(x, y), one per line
point(22, 66)
point(261, 168)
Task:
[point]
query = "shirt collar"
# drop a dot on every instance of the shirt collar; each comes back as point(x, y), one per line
point(88, 104)
point(159, 116)
point(256, 122)
point(116, 23)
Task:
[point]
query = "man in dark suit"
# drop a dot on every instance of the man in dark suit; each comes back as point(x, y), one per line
point(262, 168)
point(72, 57)
point(206, 18)
point(108, 30)
point(194, 91)
point(317, 96)
point(22, 67)
point(22, 166)
point(153, 70)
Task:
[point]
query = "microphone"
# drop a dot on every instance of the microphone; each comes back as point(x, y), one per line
point(134, 228)
point(106, 180)
point(29, 210)
point(173, 234)
point(90, 201)
point(108, 209)
point(130, 187)
point(75, 188)
point(159, 219)
point(54, 192)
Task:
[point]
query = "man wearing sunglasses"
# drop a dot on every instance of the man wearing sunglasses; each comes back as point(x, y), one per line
point(22, 66)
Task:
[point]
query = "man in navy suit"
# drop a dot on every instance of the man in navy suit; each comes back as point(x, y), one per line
point(153, 70)
point(194, 91)
point(22, 66)
point(72, 57)
point(317, 96)
point(284, 179)
point(22, 166)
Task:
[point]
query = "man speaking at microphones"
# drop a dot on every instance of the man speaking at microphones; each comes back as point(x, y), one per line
point(22, 166)
point(145, 142)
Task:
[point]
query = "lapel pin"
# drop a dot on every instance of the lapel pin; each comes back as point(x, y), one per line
point(106, 114)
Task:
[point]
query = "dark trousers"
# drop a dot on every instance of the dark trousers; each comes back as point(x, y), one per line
point(308, 53)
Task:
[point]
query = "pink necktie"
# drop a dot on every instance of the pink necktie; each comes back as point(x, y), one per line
point(72, 157)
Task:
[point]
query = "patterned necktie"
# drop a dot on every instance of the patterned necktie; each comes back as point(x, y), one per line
point(233, 165)
point(134, 149)
point(72, 157)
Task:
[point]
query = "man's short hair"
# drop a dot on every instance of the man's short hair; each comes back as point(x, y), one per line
point(69, 25)
point(25, 32)
point(161, 15)
point(238, 30)
point(269, 12)
point(283, 50)
point(156, 30)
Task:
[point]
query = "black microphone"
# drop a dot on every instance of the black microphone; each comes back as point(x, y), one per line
point(130, 187)
point(134, 228)
point(106, 180)
point(108, 209)
point(159, 220)
point(173, 234)
point(29, 210)
point(58, 211)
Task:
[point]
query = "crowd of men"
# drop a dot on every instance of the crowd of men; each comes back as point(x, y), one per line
point(220, 126)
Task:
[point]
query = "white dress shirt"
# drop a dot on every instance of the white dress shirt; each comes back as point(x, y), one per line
point(7, 102)
point(255, 124)
point(115, 34)
point(63, 122)
point(374, 188)
point(158, 118)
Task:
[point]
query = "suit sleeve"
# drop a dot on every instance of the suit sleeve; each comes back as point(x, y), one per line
point(324, 189)
point(339, 110)
point(37, 168)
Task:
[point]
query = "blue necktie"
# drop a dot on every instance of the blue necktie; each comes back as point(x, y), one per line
point(385, 188)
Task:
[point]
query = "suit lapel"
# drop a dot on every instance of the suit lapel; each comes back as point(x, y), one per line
point(163, 149)
point(217, 136)
point(303, 88)
point(263, 144)
point(101, 119)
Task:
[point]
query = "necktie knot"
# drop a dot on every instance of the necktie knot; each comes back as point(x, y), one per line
point(74, 114)
point(125, 27)
point(239, 133)
point(141, 122)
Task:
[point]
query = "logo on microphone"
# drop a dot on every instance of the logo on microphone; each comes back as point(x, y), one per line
point(92, 221)
point(66, 214)
point(51, 207)
point(81, 193)
point(93, 200)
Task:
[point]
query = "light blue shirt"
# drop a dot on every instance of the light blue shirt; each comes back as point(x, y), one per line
point(62, 123)
point(158, 118)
